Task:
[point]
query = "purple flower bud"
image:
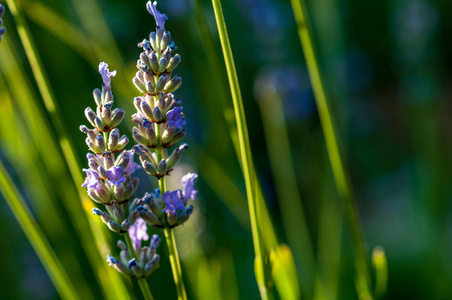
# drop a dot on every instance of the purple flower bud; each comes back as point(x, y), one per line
point(175, 118)
point(155, 241)
point(97, 211)
point(132, 263)
point(91, 181)
point(131, 166)
point(145, 44)
point(172, 202)
point(111, 260)
point(188, 184)
point(159, 17)
point(138, 233)
point(115, 175)
point(106, 74)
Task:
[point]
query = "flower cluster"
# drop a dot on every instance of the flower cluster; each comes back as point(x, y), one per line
point(170, 208)
point(159, 118)
point(159, 125)
point(2, 29)
point(145, 261)
point(108, 179)
point(109, 182)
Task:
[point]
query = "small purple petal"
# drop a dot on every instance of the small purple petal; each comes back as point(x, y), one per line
point(115, 175)
point(91, 180)
point(106, 74)
point(175, 118)
point(137, 232)
point(145, 45)
point(188, 184)
point(159, 17)
point(172, 202)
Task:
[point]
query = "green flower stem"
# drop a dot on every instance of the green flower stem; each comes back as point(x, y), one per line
point(245, 152)
point(175, 264)
point(144, 287)
point(130, 245)
point(336, 158)
point(36, 237)
point(169, 234)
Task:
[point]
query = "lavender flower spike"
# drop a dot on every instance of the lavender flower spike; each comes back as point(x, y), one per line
point(159, 17)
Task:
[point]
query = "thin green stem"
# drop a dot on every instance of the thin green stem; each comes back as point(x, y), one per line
point(169, 234)
point(338, 166)
point(144, 287)
point(36, 237)
point(130, 245)
point(245, 151)
point(175, 264)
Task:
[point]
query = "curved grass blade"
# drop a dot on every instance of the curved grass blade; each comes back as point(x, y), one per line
point(24, 156)
point(284, 175)
point(338, 166)
point(37, 239)
point(261, 267)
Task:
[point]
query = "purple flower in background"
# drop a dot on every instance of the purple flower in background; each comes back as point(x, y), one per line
point(155, 241)
point(106, 74)
point(172, 202)
point(2, 29)
point(138, 233)
point(188, 184)
point(132, 166)
point(91, 180)
point(115, 175)
point(159, 17)
point(175, 118)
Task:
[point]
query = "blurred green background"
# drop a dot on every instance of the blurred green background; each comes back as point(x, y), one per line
point(387, 67)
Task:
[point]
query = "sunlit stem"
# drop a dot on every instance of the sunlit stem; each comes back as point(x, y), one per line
point(245, 152)
point(169, 233)
point(144, 287)
point(336, 158)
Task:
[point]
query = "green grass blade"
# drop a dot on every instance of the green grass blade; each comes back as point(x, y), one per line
point(37, 239)
point(284, 175)
point(24, 156)
point(50, 20)
point(336, 158)
point(245, 153)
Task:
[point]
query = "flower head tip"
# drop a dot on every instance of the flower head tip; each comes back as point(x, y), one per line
point(159, 17)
